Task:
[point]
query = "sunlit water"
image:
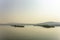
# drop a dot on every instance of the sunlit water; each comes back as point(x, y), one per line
point(29, 33)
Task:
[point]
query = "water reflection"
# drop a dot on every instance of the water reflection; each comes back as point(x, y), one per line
point(29, 32)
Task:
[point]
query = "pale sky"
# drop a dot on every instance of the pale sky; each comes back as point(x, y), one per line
point(29, 11)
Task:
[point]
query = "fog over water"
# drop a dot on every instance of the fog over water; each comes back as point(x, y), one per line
point(29, 32)
point(29, 11)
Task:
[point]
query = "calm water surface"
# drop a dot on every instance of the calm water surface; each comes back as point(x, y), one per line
point(29, 33)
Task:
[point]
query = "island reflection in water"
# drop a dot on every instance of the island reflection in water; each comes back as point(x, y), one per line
point(29, 32)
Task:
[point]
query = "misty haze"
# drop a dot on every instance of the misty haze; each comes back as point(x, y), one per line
point(45, 13)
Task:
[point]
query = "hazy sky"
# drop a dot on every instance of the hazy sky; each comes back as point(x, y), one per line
point(29, 11)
